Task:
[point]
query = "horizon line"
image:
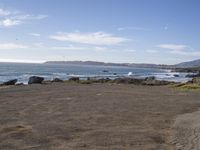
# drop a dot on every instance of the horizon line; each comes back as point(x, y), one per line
point(44, 61)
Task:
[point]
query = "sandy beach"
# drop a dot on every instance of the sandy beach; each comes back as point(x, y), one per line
point(71, 116)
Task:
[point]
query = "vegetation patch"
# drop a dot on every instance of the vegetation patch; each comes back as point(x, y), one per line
point(187, 86)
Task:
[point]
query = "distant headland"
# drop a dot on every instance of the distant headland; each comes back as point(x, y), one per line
point(186, 66)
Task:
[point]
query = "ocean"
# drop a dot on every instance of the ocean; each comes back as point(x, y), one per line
point(22, 72)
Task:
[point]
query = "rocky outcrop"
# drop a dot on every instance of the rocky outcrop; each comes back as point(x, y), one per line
point(193, 75)
point(57, 80)
point(147, 81)
point(156, 82)
point(10, 82)
point(74, 79)
point(196, 80)
point(151, 78)
point(35, 80)
point(128, 80)
point(152, 81)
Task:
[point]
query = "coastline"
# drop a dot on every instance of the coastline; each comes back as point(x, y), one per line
point(22, 72)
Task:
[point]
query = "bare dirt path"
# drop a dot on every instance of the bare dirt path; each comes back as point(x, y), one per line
point(187, 131)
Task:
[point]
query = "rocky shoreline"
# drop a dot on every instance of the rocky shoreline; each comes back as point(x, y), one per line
point(148, 81)
point(125, 80)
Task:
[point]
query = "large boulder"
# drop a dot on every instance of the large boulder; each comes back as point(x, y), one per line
point(35, 80)
point(10, 82)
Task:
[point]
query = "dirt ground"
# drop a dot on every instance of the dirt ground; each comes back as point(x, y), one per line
point(70, 116)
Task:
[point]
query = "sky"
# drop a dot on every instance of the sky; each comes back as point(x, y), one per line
point(119, 31)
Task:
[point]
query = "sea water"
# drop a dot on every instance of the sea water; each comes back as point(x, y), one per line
point(22, 72)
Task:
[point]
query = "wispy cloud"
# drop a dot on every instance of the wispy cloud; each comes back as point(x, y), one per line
point(180, 50)
point(166, 27)
point(9, 22)
point(70, 47)
point(4, 12)
point(35, 34)
point(187, 53)
point(151, 51)
point(95, 38)
point(175, 47)
point(132, 28)
point(100, 49)
point(12, 18)
point(7, 46)
point(130, 50)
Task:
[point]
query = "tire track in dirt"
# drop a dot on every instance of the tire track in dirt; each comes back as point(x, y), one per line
point(187, 131)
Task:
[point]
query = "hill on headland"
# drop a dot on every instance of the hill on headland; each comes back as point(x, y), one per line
point(189, 64)
point(141, 65)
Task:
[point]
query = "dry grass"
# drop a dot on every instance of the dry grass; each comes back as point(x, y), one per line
point(187, 86)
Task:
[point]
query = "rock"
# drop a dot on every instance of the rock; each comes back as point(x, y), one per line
point(192, 75)
point(176, 75)
point(196, 80)
point(35, 80)
point(10, 82)
point(57, 80)
point(152, 81)
point(156, 82)
point(18, 84)
point(103, 80)
point(150, 78)
point(105, 71)
point(74, 79)
point(128, 80)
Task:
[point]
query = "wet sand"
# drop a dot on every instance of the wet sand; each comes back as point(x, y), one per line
point(70, 116)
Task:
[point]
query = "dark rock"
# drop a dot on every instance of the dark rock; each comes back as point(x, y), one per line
point(57, 80)
point(18, 84)
point(103, 80)
point(176, 75)
point(10, 82)
point(152, 81)
point(156, 82)
point(128, 80)
point(150, 78)
point(187, 70)
point(105, 71)
point(196, 80)
point(35, 80)
point(192, 75)
point(74, 79)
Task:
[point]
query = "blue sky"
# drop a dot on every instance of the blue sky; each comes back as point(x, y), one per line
point(134, 31)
